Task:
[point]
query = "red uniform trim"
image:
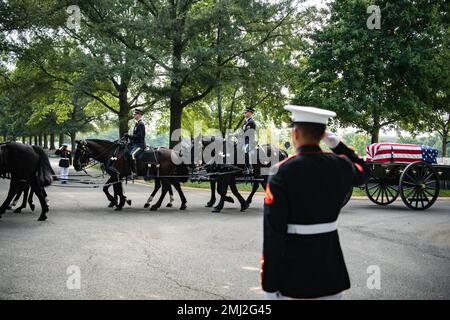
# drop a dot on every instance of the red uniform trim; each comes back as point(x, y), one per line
point(279, 164)
point(268, 199)
point(359, 167)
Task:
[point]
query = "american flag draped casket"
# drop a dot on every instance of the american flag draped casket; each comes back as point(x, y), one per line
point(398, 152)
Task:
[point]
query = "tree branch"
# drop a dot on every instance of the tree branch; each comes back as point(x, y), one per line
point(197, 97)
point(84, 91)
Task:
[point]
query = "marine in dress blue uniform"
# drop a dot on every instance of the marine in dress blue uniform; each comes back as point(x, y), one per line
point(64, 163)
point(302, 256)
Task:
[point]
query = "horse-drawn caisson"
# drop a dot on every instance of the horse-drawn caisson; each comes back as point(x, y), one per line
point(408, 170)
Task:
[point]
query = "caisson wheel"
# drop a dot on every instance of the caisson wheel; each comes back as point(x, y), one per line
point(419, 186)
point(381, 191)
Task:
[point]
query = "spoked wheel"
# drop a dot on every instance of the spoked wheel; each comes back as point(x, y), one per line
point(347, 197)
point(419, 186)
point(381, 192)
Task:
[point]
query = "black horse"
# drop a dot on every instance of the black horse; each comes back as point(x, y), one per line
point(112, 156)
point(229, 171)
point(26, 164)
point(20, 187)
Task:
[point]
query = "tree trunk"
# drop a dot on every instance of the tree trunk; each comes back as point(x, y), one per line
point(40, 140)
point(61, 139)
point(30, 140)
point(73, 136)
point(176, 111)
point(52, 141)
point(178, 17)
point(36, 140)
point(375, 135)
point(24, 139)
point(220, 110)
point(375, 130)
point(444, 144)
point(45, 141)
point(124, 111)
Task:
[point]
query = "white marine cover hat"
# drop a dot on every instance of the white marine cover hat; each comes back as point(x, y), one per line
point(309, 114)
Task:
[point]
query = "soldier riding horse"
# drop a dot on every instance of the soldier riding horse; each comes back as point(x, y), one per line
point(151, 163)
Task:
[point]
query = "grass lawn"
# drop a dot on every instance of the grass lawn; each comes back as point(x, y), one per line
point(248, 187)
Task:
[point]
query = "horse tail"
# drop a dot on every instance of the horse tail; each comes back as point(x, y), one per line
point(3, 161)
point(182, 170)
point(45, 171)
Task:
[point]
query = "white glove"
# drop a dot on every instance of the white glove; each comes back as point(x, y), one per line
point(273, 295)
point(331, 140)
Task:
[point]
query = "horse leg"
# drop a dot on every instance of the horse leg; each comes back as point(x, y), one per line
point(157, 187)
point(112, 200)
point(222, 186)
point(16, 199)
point(213, 194)
point(165, 189)
point(30, 198)
point(11, 193)
point(177, 186)
point(170, 205)
point(25, 191)
point(233, 187)
point(254, 189)
point(40, 193)
point(119, 188)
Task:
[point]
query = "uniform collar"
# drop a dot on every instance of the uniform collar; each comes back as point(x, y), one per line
point(309, 148)
point(247, 120)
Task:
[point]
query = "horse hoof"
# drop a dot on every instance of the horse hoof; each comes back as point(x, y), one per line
point(244, 206)
point(118, 209)
point(8, 208)
point(210, 204)
point(18, 210)
point(183, 206)
point(169, 205)
point(111, 205)
point(154, 208)
point(146, 205)
point(129, 202)
point(216, 210)
point(42, 218)
point(229, 199)
point(32, 207)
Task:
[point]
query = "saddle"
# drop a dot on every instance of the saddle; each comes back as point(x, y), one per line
point(148, 156)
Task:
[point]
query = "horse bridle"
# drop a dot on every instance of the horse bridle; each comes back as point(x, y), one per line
point(83, 150)
point(90, 163)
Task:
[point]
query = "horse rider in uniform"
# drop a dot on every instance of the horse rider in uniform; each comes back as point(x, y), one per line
point(302, 256)
point(64, 163)
point(249, 129)
point(137, 140)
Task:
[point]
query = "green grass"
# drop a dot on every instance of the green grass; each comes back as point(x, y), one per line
point(357, 192)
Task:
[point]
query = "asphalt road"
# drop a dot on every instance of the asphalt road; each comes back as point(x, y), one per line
point(195, 254)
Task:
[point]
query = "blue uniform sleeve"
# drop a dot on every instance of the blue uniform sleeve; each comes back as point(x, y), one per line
point(275, 229)
point(361, 171)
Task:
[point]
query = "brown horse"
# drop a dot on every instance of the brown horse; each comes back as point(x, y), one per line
point(112, 156)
